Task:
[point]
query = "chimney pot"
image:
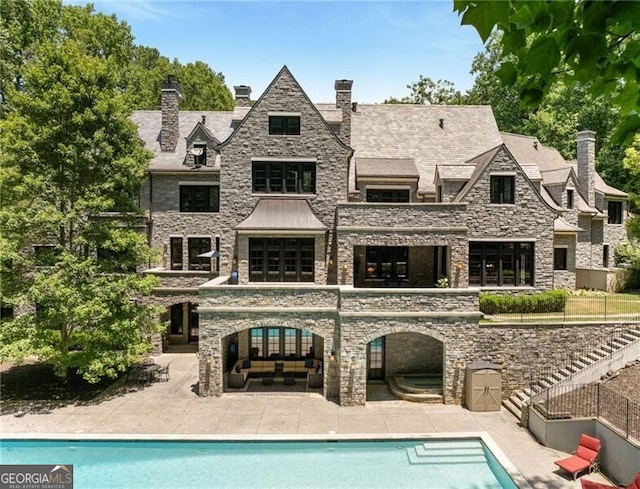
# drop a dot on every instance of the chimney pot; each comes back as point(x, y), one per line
point(343, 101)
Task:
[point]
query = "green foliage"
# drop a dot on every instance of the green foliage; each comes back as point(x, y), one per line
point(139, 70)
point(70, 155)
point(551, 301)
point(596, 44)
point(443, 283)
point(429, 92)
point(628, 255)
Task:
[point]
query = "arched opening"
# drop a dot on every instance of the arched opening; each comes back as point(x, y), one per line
point(273, 359)
point(410, 365)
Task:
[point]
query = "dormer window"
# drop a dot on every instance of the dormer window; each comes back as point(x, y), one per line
point(199, 152)
point(284, 124)
point(569, 199)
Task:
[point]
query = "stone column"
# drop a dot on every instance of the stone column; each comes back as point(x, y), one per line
point(586, 156)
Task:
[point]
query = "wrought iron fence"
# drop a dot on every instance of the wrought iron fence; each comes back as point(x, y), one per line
point(590, 401)
point(598, 350)
point(579, 307)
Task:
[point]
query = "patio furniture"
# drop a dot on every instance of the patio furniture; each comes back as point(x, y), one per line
point(585, 458)
point(267, 380)
point(587, 484)
point(289, 378)
point(163, 373)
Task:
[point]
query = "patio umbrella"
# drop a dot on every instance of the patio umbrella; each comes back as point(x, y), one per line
point(209, 254)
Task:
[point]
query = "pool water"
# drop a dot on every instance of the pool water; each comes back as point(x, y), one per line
point(436, 464)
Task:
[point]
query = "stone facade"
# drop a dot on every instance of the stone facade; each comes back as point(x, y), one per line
point(345, 307)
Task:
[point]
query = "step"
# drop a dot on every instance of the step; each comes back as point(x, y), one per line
point(594, 356)
point(415, 459)
point(449, 444)
point(606, 348)
point(450, 451)
point(526, 391)
point(620, 342)
point(630, 337)
point(566, 372)
point(522, 396)
point(512, 408)
point(558, 377)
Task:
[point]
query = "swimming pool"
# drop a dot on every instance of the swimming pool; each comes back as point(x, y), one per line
point(438, 463)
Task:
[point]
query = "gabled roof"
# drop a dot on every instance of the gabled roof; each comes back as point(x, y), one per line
point(386, 167)
point(284, 72)
point(558, 176)
point(482, 163)
point(402, 131)
point(608, 190)
point(201, 128)
point(529, 151)
point(282, 215)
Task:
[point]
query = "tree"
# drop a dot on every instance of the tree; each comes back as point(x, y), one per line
point(429, 92)
point(583, 42)
point(70, 155)
point(488, 90)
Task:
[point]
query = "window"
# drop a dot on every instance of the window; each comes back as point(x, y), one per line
point(605, 256)
point(387, 195)
point(280, 177)
point(176, 253)
point(388, 263)
point(615, 212)
point(197, 246)
point(501, 264)
point(560, 258)
point(284, 125)
point(116, 260)
point(199, 198)
point(279, 342)
point(569, 199)
point(502, 189)
point(6, 311)
point(281, 260)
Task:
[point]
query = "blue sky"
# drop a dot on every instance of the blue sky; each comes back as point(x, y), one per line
point(382, 46)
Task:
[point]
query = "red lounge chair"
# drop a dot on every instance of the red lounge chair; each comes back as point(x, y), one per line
point(585, 458)
point(587, 484)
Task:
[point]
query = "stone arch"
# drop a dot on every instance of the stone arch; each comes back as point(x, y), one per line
point(216, 330)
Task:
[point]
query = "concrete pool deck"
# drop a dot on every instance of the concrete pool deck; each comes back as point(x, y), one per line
point(172, 408)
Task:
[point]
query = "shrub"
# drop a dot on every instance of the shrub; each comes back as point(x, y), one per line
point(552, 301)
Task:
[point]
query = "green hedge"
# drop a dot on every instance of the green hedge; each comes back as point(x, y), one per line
point(552, 301)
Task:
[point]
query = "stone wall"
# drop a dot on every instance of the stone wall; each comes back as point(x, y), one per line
point(566, 279)
point(410, 352)
point(528, 219)
point(523, 348)
point(251, 140)
point(409, 300)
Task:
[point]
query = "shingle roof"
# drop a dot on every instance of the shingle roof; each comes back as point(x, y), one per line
point(386, 167)
point(556, 177)
point(150, 122)
point(413, 131)
point(562, 226)
point(529, 151)
point(282, 214)
point(454, 172)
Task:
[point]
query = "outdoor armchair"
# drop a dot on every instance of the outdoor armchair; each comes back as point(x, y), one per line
point(585, 457)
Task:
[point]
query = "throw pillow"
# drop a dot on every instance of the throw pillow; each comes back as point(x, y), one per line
point(237, 368)
point(246, 364)
point(308, 363)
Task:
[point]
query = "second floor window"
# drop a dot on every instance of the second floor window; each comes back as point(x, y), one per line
point(199, 198)
point(284, 125)
point(278, 177)
point(615, 212)
point(502, 189)
point(569, 199)
point(387, 195)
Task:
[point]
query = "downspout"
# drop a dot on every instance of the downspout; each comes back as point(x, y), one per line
point(150, 216)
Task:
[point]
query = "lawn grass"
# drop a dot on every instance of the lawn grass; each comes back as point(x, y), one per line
point(583, 306)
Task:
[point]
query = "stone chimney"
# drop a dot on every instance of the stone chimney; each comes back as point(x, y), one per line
point(587, 165)
point(170, 132)
point(243, 94)
point(343, 101)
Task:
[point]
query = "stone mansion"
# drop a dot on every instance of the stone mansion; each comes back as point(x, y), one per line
point(358, 235)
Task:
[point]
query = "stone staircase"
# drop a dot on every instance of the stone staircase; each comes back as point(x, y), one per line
point(428, 395)
point(611, 352)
